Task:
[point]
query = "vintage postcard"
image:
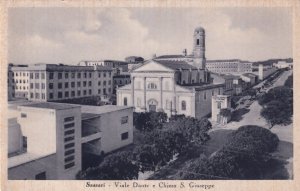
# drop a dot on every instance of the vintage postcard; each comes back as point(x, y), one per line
point(140, 95)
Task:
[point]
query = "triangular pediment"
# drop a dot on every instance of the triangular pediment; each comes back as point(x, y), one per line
point(153, 66)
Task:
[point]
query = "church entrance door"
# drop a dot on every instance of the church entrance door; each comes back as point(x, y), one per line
point(152, 108)
point(152, 103)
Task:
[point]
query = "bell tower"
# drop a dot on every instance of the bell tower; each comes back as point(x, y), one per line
point(199, 48)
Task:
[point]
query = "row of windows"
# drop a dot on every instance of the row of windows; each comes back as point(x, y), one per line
point(19, 87)
point(68, 75)
point(72, 84)
point(19, 73)
point(69, 146)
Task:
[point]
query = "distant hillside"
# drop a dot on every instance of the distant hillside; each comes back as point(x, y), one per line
point(272, 61)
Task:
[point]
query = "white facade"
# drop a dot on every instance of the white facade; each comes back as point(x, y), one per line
point(229, 66)
point(219, 102)
point(157, 87)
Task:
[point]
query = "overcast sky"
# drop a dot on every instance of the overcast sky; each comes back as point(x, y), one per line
point(69, 35)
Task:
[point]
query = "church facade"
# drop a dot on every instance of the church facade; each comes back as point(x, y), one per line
point(169, 86)
point(173, 84)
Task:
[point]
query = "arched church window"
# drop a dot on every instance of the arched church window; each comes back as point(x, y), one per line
point(183, 105)
point(125, 101)
point(198, 41)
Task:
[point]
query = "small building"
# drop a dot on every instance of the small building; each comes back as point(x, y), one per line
point(48, 140)
point(120, 80)
point(249, 78)
point(221, 109)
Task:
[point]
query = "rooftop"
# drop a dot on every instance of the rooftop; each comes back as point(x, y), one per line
point(170, 56)
point(86, 116)
point(88, 110)
point(51, 105)
point(175, 65)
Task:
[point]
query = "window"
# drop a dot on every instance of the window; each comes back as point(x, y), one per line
point(41, 176)
point(69, 139)
point(78, 75)
point(50, 95)
point(66, 84)
point(198, 41)
point(124, 136)
point(69, 158)
point(104, 83)
point(84, 84)
point(219, 105)
point(78, 93)
point(59, 94)
point(72, 84)
point(84, 74)
point(70, 152)
point(69, 132)
point(124, 120)
point(183, 105)
point(66, 75)
point(204, 95)
point(59, 85)
point(152, 86)
point(99, 83)
point(67, 119)
point(78, 84)
point(99, 91)
point(90, 74)
point(90, 92)
point(36, 75)
point(125, 101)
point(24, 140)
point(23, 115)
point(84, 92)
point(73, 75)
point(69, 165)
point(99, 75)
point(104, 74)
point(69, 145)
point(50, 85)
point(59, 75)
point(90, 83)
point(66, 94)
point(73, 93)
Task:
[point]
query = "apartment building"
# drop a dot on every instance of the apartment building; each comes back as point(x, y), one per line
point(18, 81)
point(54, 150)
point(123, 66)
point(229, 66)
point(52, 82)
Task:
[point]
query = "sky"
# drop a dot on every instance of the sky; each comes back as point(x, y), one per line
point(70, 35)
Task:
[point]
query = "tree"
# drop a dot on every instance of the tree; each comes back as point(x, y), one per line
point(242, 157)
point(289, 82)
point(281, 93)
point(118, 166)
point(147, 121)
point(276, 112)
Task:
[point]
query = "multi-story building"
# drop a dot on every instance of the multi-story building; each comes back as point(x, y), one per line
point(54, 150)
point(234, 66)
point(123, 66)
point(120, 80)
point(51, 82)
point(18, 81)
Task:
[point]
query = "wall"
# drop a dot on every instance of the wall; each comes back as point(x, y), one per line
point(40, 129)
point(112, 129)
point(14, 136)
point(29, 170)
point(203, 106)
point(60, 146)
point(264, 72)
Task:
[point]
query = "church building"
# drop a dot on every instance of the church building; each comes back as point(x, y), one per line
point(173, 86)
